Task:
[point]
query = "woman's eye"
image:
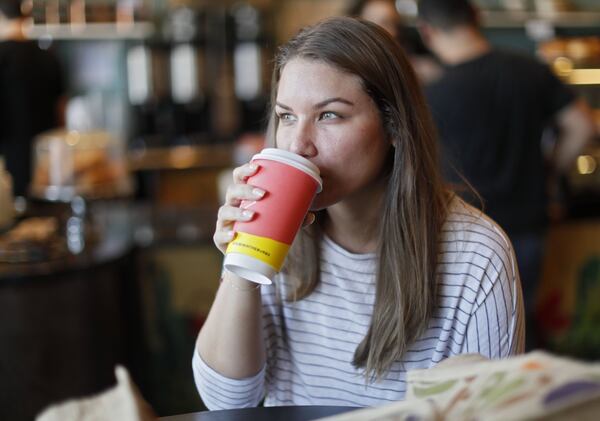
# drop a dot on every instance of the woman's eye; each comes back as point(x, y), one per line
point(286, 117)
point(328, 115)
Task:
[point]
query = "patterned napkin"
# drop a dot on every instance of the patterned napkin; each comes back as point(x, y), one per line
point(467, 387)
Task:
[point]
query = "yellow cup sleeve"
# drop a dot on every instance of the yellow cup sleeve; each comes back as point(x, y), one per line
point(269, 251)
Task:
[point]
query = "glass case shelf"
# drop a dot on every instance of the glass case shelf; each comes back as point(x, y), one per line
point(497, 19)
point(92, 31)
point(500, 19)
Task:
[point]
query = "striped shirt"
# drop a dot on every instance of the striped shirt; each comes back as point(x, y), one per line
point(311, 343)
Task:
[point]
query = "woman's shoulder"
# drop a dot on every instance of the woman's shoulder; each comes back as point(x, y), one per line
point(469, 229)
point(474, 253)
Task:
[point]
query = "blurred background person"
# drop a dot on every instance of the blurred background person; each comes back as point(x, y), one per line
point(31, 93)
point(385, 14)
point(491, 108)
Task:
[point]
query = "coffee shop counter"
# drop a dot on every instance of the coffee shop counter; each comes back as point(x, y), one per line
point(134, 294)
point(65, 319)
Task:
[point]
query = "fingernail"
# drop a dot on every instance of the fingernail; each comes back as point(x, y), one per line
point(258, 192)
point(253, 166)
point(230, 234)
point(247, 214)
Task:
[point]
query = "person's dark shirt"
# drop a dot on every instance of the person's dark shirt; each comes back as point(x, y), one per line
point(30, 87)
point(411, 41)
point(491, 113)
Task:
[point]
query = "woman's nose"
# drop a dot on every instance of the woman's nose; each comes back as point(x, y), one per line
point(303, 142)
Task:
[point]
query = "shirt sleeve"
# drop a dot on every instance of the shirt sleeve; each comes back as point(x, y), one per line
point(558, 95)
point(220, 392)
point(495, 328)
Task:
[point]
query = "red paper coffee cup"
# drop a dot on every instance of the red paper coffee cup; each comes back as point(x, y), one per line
point(260, 246)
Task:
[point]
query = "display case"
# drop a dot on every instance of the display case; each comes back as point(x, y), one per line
point(67, 164)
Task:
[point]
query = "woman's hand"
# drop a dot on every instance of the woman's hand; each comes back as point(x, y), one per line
point(231, 212)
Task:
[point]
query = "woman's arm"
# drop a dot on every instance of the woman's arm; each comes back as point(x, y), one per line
point(231, 340)
point(230, 350)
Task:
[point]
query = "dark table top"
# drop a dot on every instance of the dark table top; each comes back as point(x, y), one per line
point(273, 413)
point(111, 223)
point(120, 225)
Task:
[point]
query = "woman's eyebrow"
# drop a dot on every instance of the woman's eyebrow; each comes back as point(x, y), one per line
point(336, 99)
point(285, 107)
point(320, 104)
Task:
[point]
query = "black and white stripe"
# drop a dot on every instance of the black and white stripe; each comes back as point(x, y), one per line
point(311, 343)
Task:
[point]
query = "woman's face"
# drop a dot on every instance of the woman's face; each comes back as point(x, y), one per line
point(382, 13)
point(326, 116)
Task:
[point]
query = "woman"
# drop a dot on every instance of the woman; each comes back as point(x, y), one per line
point(394, 273)
point(385, 14)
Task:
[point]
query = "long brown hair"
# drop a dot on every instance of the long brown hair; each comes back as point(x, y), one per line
point(415, 201)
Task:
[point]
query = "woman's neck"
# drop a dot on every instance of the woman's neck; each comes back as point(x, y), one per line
point(354, 223)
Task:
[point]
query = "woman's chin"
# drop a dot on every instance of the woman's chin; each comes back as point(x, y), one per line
point(321, 202)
